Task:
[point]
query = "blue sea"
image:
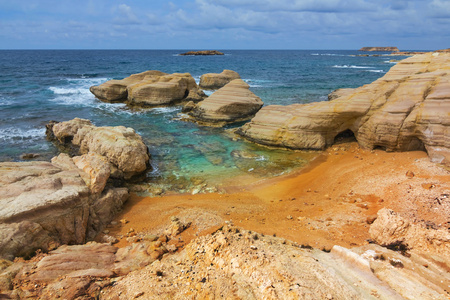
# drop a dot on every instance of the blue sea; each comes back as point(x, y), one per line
point(37, 86)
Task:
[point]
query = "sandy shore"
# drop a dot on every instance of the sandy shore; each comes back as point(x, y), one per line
point(330, 202)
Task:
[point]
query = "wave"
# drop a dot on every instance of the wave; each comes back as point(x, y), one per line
point(5, 102)
point(257, 82)
point(165, 110)
point(390, 62)
point(14, 134)
point(351, 67)
point(375, 71)
point(76, 91)
point(329, 54)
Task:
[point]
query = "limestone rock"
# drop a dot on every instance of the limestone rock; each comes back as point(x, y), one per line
point(122, 147)
point(407, 109)
point(232, 103)
point(53, 202)
point(150, 88)
point(97, 167)
point(92, 259)
point(339, 93)
point(214, 81)
point(116, 90)
point(164, 90)
point(390, 229)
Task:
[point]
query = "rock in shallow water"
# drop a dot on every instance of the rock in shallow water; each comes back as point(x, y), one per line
point(213, 81)
point(232, 103)
point(407, 109)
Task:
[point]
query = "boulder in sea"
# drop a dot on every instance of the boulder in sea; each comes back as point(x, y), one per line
point(150, 88)
point(122, 147)
point(379, 49)
point(232, 103)
point(406, 109)
point(214, 81)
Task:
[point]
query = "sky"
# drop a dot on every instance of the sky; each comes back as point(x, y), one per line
point(224, 24)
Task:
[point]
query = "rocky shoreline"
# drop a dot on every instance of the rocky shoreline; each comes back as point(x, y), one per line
point(51, 209)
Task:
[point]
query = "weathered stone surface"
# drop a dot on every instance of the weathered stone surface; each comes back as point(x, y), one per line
point(202, 52)
point(164, 90)
point(97, 167)
point(407, 109)
point(390, 229)
point(214, 81)
point(116, 90)
point(92, 259)
point(150, 88)
point(231, 263)
point(232, 103)
point(122, 147)
point(41, 204)
point(339, 93)
point(44, 205)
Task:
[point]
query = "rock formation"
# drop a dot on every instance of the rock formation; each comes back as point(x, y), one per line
point(150, 88)
point(380, 49)
point(339, 93)
point(122, 148)
point(232, 103)
point(407, 109)
point(44, 205)
point(214, 81)
point(202, 52)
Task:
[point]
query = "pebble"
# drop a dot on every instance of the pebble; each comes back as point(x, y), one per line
point(410, 174)
point(253, 247)
point(289, 217)
point(124, 221)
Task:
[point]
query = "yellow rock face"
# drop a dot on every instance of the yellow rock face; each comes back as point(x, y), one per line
point(232, 103)
point(407, 109)
point(213, 81)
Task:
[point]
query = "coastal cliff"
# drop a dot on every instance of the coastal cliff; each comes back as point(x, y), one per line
point(407, 109)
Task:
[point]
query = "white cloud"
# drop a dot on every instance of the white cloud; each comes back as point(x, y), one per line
point(126, 16)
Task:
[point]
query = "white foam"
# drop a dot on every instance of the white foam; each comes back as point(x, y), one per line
point(165, 110)
point(76, 92)
point(5, 102)
point(390, 62)
point(209, 92)
point(375, 71)
point(12, 134)
point(351, 67)
point(257, 82)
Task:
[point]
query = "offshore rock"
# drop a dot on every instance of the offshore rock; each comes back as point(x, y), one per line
point(214, 81)
point(116, 90)
point(407, 109)
point(232, 103)
point(380, 49)
point(150, 88)
point(122, 147)
point(202, 52)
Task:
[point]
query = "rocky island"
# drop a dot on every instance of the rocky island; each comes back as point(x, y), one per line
point(380, 49)
point(363, 221)
point(202, 52)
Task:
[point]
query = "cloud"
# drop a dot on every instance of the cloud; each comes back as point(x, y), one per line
point(126, 16)
point(440, 8)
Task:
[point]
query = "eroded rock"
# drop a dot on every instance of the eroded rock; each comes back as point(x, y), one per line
point(232, 103)
point(407, 109)
point(214, 81)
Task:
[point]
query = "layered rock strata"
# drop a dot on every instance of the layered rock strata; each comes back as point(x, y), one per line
point(122, 149)
point(407, 109)
point(44, 205)
point(150, 88)
point(232, 103)
point(214, 81)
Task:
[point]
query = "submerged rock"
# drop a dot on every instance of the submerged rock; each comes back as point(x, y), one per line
point(407, 109)
point(150, 88)
point(214, 81)
point(232, 103)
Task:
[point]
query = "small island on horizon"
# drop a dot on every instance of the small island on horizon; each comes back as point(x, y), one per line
point(202, 52)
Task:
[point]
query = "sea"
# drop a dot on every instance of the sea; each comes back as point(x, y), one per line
point(37, 86)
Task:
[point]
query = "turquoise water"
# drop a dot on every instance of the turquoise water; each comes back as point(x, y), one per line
point(37, 86)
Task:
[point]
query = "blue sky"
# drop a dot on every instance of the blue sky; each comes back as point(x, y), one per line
point(224, 24)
